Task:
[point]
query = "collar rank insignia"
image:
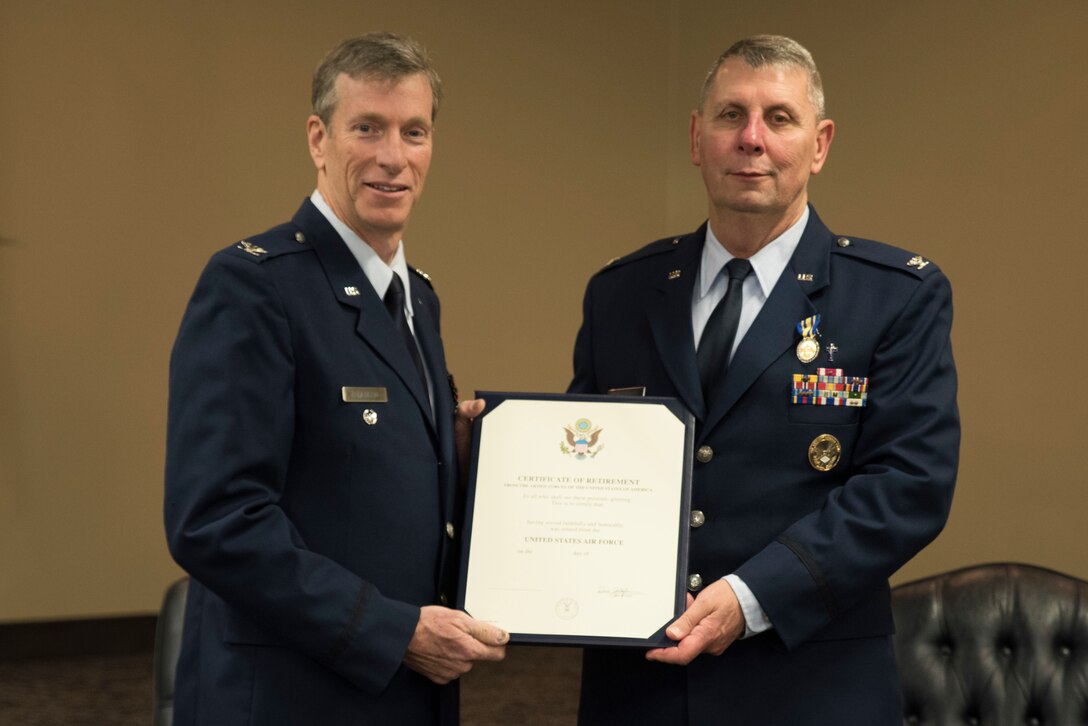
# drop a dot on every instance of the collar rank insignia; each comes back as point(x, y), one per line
point(351, 290)
point(917, 261)
point(252, 249)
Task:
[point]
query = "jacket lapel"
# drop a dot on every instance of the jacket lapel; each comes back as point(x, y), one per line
point(774, 330)
point(668, 308)
point(352, 288)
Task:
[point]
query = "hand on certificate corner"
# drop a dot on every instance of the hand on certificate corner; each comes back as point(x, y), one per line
point(711, 623)
point(467, 411)
point(447, 643)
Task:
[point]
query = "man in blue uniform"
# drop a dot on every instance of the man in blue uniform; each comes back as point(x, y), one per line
point(820, 373)
point(312, 453)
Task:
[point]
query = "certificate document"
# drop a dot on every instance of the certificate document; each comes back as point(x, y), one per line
point(577, 518)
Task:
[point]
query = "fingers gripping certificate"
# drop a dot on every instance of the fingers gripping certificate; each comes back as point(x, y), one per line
point(576, 522)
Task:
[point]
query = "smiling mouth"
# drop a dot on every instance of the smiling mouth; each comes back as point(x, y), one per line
point(387, 187)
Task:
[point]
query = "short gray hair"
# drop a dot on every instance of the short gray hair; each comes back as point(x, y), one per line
point(382, 55)
point(772, 50)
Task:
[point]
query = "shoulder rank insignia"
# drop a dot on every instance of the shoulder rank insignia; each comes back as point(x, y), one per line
point(252, 249)
point(423, 274)
point(917, 261)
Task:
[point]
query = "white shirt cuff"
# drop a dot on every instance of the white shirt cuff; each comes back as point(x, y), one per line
point(755, 620)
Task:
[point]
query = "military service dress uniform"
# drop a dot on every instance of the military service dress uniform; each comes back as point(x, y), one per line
point(826, 462)
point(310, 488)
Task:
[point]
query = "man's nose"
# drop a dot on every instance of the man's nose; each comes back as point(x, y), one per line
point(751, 136)
point(391, 153)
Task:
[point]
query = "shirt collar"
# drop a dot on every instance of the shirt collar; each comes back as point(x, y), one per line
point(767, 264)
point(377, 272)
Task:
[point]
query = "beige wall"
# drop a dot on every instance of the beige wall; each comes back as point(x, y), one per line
point(138, 137)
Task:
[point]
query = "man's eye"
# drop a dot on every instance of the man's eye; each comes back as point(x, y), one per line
point(730, 115)
point(364, 128)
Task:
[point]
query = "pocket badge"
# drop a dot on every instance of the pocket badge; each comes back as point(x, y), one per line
point(824, 452)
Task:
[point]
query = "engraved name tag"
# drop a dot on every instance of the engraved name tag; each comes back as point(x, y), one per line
point(364, 394)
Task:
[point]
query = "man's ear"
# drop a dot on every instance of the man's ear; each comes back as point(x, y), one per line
point(316, 134)
point(825, 132)
point(694, 133)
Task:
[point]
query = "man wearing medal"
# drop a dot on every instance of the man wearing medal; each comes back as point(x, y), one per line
point(819, 370)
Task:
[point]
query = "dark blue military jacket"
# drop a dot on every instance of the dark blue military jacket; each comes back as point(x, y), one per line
point(815, 543)
point(313, 519)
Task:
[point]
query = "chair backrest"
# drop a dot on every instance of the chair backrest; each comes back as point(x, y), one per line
point(167, 646)
point(993, 644)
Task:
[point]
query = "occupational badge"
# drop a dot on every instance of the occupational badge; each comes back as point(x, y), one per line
point(809, 347)
point(824, 452)
point(581, 440)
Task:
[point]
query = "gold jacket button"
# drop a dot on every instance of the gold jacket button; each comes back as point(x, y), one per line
point(450, 531)
point(697, 518)
point(442, 599)
point(300, 238)
point(704, 454)
point(695, 581)
point(843, 242)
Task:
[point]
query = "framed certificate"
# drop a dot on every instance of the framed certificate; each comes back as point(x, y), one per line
point(576, 522)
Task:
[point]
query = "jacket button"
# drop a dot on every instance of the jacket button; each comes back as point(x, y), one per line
point(704, 454)
point(697, 518)
point(450, 531)
point(442, 599)
point(695, 581)
point(843, 242)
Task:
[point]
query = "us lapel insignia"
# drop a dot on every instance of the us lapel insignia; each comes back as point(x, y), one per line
point(351, 291)
point(674, 274)
point(252, 249)
point(918, 261)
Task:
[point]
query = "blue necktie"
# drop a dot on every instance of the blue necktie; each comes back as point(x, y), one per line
point(394, 305)
point(721, 329)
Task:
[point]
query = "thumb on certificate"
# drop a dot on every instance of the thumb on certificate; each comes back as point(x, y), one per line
point(684, 624)
point(487, 634)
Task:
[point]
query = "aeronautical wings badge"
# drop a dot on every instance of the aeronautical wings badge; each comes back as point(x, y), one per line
point(581, 440)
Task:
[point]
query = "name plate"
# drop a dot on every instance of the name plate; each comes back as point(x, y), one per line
point(576, 525)
point(364, 394)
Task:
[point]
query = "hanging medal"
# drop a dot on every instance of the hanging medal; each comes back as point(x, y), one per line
point(809, 347)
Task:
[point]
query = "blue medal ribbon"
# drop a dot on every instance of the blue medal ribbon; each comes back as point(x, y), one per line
point(809, 327)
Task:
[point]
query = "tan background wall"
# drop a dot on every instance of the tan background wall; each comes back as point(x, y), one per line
point(138, 137)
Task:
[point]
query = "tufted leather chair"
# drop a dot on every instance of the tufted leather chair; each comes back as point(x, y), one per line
point(167, 648)
point(993, 645)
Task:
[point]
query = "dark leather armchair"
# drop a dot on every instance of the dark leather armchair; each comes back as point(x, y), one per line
point(993, 645)
point(167, 647)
